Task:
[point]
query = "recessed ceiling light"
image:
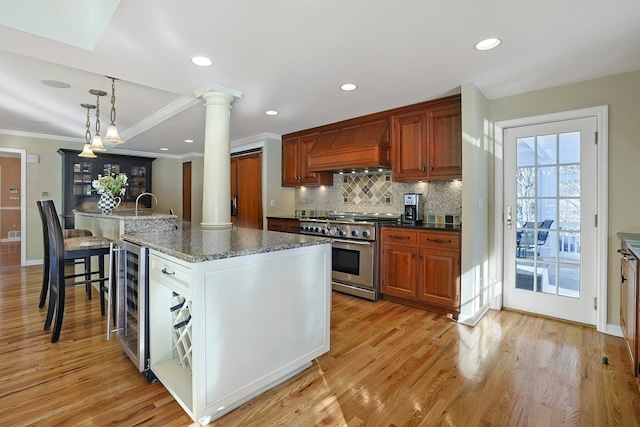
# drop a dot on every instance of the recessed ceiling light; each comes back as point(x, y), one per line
point(488, 44)
point(188, 141)
point(164, 149)
point(55, 83)
point(348, 87)
point(271, 113)
point(202, 61)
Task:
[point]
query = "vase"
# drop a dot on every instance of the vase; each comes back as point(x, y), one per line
point(107, 203)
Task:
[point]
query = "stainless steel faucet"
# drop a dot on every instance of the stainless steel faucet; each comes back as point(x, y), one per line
point(144, 194)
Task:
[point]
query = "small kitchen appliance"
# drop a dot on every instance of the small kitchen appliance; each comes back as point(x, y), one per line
point(412, 208)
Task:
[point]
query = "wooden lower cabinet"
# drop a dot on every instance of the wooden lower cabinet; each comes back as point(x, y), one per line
point(421, 268)
point(283, 225)
point(629, 306)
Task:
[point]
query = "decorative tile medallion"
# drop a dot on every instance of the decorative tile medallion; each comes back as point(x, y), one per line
point(370, 190)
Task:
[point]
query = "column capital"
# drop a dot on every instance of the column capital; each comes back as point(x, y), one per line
point(218, 91)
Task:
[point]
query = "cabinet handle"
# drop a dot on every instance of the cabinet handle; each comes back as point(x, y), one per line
point(421, 256)
point(423, 169)
point(398, 237)
point(430, 168)
point(438, 240)
point(413, 255)
point(164, 271)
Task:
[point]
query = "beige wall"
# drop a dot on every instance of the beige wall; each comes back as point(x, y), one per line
point(621, 93)
point(10, 202)
point(476, 176)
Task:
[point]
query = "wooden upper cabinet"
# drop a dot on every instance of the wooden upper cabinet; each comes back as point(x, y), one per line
point(409, 146)
point(295, 160)
point(426, 144)
point(444, 142)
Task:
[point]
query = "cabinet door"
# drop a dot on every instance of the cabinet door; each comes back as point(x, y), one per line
point(438, 282)
point(138, 183)
point(83, 175)
point(409, 146)
point(628, 308)
point(290, 162)
point(444, 143)
point(398, 270)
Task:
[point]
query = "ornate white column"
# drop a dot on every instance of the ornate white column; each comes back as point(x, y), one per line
point(216, 186)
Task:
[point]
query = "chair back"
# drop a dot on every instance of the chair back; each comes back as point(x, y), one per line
point(54, 229)
point(45, 229)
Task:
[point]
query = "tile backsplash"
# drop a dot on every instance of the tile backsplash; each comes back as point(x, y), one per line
point(378, 193)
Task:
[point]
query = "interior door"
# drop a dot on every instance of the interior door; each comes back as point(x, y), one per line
point(246, 191)
point(186, 191)
point(550, 219)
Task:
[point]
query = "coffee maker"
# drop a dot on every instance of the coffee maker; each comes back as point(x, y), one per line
point(413, 208)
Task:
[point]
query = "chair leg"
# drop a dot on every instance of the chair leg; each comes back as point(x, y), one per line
point(57, 326)
point(87, 274)
point(53, 293)
point(45, 281)
point(101, 282)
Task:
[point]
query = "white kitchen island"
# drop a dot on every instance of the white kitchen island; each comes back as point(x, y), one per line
point(234, 312)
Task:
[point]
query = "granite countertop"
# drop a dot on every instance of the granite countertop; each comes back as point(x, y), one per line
point(633, 242)
point(192, 244)
point(128, 215)
point(427, 226)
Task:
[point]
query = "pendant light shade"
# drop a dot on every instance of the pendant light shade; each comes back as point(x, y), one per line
point(87, 152)
point(96, 143)
point(112, 137)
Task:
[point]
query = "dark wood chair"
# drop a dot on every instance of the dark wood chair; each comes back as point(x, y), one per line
point(63, 250)
point(47, 262)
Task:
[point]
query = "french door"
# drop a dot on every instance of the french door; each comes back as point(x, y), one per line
point(550, 202)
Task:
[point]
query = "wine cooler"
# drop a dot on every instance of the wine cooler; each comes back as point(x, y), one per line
point(129, 297)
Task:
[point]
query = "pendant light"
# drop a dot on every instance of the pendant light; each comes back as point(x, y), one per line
point(96, 142)
point(86, 151)
point(112, 137)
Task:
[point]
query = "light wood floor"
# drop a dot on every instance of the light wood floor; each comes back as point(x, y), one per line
point(389, 365)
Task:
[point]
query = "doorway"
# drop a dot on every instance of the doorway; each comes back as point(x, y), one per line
point(553, 230)
point(186, 191)
point(13, 206)
point(246, 190)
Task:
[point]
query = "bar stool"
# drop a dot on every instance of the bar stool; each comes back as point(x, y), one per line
point(47, 262)
point(61, 251)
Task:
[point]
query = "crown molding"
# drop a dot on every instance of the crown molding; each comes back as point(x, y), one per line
point(170, 110)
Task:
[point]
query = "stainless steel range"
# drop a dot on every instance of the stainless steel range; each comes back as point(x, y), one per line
point(355, 257)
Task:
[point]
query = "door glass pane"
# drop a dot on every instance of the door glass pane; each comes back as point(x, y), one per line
point(569, 281)
point(525, 151)
point(547, 210)
point(110, 168)
point(526, 186)
point(525, 211)
point(570, 180)
point(547, 182)
point(570, 214)
point(569, 147)
point(547, 150)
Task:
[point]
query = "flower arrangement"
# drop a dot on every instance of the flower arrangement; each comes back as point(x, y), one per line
point(111, 184)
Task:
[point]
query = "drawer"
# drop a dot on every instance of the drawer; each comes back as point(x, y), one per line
point(440, 239)
point(399, 236)
point(171, 274)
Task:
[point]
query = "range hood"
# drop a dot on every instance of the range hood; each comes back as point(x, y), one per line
point(352, 147)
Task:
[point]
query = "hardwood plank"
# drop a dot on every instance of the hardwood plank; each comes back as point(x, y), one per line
point(389, 365)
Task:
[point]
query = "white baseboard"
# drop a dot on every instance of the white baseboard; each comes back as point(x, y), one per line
point(615, 330)
point(473, 320)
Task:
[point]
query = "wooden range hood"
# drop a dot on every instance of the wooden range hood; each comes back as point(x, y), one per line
point(352, 146)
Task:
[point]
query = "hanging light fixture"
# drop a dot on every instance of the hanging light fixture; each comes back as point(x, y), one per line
point(112, 137)
point(96, 142)
point(87, 152)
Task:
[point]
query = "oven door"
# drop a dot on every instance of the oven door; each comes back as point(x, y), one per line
point(352, 262)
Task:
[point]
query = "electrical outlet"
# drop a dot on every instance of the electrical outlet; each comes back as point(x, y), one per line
point(272, 203)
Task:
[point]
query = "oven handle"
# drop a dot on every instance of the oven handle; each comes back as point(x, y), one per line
point(355, 242)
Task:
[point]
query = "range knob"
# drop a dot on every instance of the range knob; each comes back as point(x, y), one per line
point(306, 228)
point(354, 233)
point(333, 231)
point(366, 233)
point(342, 233)
point(316, 230)
point(324, 231)
point(301, 228)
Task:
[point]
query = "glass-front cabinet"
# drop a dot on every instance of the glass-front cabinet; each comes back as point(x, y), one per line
point(78, 174)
